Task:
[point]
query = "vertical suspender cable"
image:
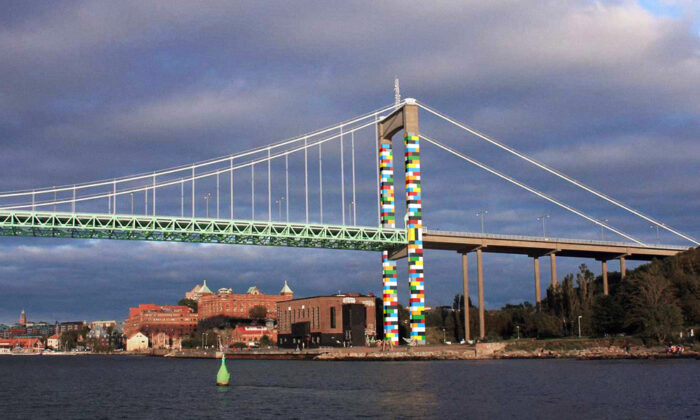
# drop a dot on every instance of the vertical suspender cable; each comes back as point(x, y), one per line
point(269, 189)
point(376, 156)
point(286, 184)
point(33, 201)
point(145, 201)
point(252, 192)
point(193, 212)
point(354, 200)
point(306, 178)
point(114, 194)
point(342, 177)
point(320, 179)
point(182, 198)
point(154, 195)
point(73, 203)
point(217, 194)
point(231, 186)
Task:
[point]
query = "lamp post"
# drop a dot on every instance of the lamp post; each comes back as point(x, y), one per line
point(207, 196)
point(579, 326)
point(517, 327)
point(132, 203)
point(481, 215)
point(602, 229)
point(544, 229)
point(279, 207)
point(444, 337)
point(658, 241)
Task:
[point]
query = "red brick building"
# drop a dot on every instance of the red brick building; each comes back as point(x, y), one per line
point(249, 334)
point(24, 345)
point(150, 319)
point(338, 320)
point(233, 305)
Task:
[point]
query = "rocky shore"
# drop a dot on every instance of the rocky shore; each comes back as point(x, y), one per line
point(480, 351)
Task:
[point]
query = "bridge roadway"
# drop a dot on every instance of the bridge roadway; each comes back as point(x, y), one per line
point(197, 230)
point(538, 246)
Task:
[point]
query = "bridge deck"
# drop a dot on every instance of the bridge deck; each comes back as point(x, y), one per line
point(198, 230)
point(539, 246)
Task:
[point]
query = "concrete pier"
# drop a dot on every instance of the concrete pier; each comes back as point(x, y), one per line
point(538, 293)
point(604, 270)
point(465, 286)
point(480, 276)
point(553, 267)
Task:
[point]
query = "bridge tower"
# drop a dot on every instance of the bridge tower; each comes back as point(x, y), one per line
point(405, 118)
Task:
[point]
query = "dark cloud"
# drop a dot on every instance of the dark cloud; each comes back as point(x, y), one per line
point(605, 91)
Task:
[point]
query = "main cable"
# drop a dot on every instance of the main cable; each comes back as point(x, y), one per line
point(530, 189)
point(557, 173)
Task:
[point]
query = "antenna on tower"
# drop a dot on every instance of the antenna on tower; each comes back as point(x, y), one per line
point(397, 91)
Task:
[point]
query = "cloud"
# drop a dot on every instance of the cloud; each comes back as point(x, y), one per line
point(606, 91)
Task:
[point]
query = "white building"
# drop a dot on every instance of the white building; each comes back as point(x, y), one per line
point(137, 342)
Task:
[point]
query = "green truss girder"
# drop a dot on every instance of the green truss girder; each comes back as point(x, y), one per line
point(216, 231)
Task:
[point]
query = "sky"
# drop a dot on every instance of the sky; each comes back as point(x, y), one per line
point(605, 91)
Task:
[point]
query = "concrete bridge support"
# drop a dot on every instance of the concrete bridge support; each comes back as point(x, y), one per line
point(480, 278)
point(604, 270)
point(465, 287)
point(623, 268)
point(553, 267)
point(538, 293)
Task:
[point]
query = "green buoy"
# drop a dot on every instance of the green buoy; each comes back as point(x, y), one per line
point(223, 376)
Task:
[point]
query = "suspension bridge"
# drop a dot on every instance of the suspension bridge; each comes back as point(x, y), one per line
point(163, 206)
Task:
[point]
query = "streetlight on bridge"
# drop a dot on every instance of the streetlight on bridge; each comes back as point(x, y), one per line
point(279, 205)
point(602, 229)
point(132, 203)
point(543, 218)
point(658, 240)
point(207, 196)
point(481, 214)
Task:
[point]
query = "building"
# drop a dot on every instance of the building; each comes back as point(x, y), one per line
point(70, 326)
point(22, 345)
point(232, 305)
point(198, 291)
point(53, 342)
point(103, 324)
point(150, 320)
point(4, 331)
point(338, 320)
point(252, 334)
point(137, 342)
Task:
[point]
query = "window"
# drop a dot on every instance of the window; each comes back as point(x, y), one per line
point(333, 317)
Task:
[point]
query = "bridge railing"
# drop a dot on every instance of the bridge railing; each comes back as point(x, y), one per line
point(548, 239)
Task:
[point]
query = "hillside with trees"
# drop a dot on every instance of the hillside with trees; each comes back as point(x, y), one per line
point(656, 302)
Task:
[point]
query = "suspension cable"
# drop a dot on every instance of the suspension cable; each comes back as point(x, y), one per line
point(557, 173)
point(530, 189)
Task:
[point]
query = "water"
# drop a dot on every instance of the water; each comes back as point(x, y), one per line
point(94, 387)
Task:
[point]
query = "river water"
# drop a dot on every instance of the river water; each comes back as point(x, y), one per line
point(94, 387)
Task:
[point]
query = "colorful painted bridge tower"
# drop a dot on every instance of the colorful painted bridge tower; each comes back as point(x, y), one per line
point(405, 118)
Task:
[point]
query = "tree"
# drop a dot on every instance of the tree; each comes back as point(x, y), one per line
point(258, 312)
point(608, 315)
point(190, 303)
point(69, 340)
point(652, 308)
point(265, 341)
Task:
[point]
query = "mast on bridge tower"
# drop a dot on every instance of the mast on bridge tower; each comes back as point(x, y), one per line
point(405, 118)
point(397, 91)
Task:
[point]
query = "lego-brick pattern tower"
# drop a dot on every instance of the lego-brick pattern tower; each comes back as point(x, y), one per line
point(388, 219)
point(414, 226)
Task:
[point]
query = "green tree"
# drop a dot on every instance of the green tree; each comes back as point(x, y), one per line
point(608, 315)
point(190, 303)
point(69, 340)
point(652, 309)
